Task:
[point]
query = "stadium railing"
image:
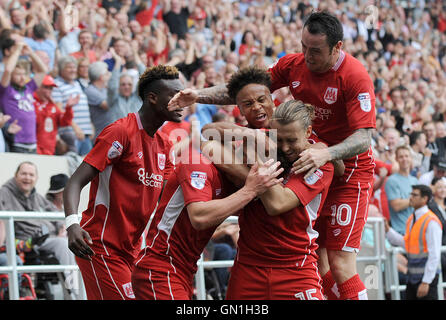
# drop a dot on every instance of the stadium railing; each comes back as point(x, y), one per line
point(12, 269)
point(383, 259)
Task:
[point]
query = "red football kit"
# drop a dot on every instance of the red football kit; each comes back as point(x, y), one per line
point(276, 256)
point(165, 268)
point(344, 101)
point(132, 167)
point(49, 118)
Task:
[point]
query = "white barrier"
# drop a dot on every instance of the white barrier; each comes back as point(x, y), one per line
point(13, 269)
point(383, 259)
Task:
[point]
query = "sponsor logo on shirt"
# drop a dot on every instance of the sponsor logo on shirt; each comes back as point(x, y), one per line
point(336, 232)
point(161, 161)
point(150, 179)
point(295, 84)
point(128, 290)
point(322, 113)
point(198, 179)
point(115, 150)
point(331, 95)
point(312, 179)
point(365, 102)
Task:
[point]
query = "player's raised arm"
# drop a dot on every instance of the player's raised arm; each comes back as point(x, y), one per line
point(213, 95)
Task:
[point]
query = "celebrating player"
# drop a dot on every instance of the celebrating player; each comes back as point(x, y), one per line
point(276, 256)
point(126, 167)
point(194, 203)
point(342, 93)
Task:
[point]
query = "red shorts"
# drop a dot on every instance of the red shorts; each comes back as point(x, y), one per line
point(265, 283)
point(343, 216)
point(106, 278)
point(156, 285)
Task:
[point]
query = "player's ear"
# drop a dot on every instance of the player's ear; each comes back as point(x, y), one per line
point(337, 47)
point(152, 97)
point(309, 131)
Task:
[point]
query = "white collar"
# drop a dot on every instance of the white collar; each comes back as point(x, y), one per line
point(420, 211)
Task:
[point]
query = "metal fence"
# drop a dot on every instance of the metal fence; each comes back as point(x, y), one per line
point(13, 270)
point(383, 259)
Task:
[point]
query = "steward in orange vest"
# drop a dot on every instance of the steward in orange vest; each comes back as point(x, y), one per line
point(422, 242)
point(416, 245)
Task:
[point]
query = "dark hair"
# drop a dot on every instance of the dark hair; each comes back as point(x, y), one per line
point(7, 43)
point(436, 179)
point(40, 31)
point(425, 191)
point(325, 23)
point(149, 81)
point(247, 76)
point(244, 36)
point(414, 136)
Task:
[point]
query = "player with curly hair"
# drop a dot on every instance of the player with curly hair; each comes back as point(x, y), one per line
point(127, 168)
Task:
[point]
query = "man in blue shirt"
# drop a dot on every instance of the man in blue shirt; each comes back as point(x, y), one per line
point(398, 188)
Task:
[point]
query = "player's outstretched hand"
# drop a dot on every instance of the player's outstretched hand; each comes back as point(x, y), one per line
point(182, 99)
point(77, 242)
point(262, 177)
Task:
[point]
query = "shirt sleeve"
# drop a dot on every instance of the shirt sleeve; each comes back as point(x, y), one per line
point(392, 190)
point(307, 189)
point(196, 182)
point(360, 101)
point(433, 241)
point(280, 72)
point(110, 146)
point(395, 238)
point(94, 96)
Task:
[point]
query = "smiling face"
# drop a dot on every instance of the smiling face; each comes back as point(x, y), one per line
point(404, 159)
point(292, 138)
point(439, 189)
point(26, 178)
point(19, 77)
point(256, 104)
point(317, 53)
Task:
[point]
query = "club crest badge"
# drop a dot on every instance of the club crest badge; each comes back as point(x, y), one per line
point(331, 95)
point(161, 161)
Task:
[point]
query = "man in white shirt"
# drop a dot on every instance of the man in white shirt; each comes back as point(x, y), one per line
point(438, 171)
point(422, 242)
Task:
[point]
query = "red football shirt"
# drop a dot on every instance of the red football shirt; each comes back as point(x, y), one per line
point(343, 98)
point(133, 166)
point(288, 239)
point(48, 119)
point(172, 244)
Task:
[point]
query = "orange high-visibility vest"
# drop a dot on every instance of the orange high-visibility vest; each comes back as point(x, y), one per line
point(416, 246)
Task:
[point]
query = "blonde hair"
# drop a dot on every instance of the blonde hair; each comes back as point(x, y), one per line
point(294, 110)
point(25, 65)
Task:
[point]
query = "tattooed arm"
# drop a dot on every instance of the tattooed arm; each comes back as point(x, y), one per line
point(213, 95)
point(353, 145)
point(313, 158)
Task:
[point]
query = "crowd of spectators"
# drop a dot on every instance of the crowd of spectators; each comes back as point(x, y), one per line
point(70, 67)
